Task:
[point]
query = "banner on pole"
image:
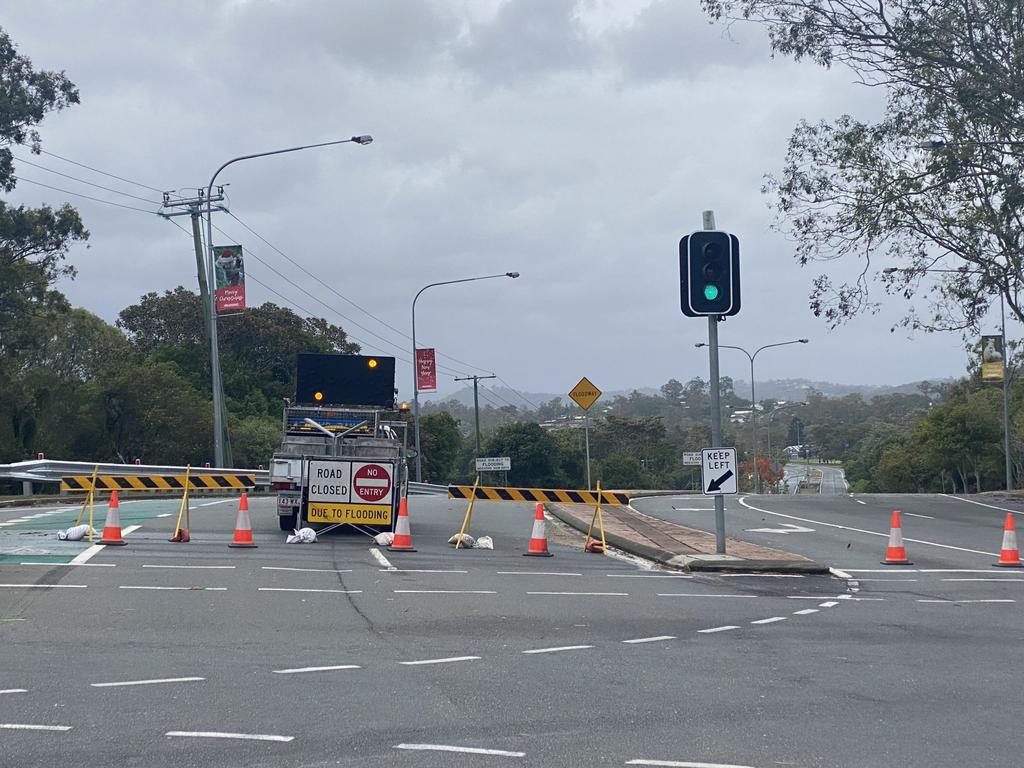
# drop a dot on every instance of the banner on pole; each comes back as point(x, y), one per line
point(991, 358)
point(229, 273)
point(426, 371)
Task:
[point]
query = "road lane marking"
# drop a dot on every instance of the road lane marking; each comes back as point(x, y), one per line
point(690, 594)
point(537, 573)
point(772, 620)
point(891, 579)
point(953, 570)
point(444, 592)
point(44, 586)
point(559, 648)
point(828, 604)
point(14, 690)
point(438, 661)
point(683, 764)
point(467, 750)
point(418, 570)
point(840, 573)
point(712, 630)
point(762, 575)
point(305, 570)
point(996, 579)
point(174, 589)
point(166, 514)
point(860, 502)
point(379, 557)
point(870, 533)
point(648, 576)
point(966, 601)
point(655, 639)
point(862, 599)
point(972, 501)
point(211, 503)
point(298, 670)
point(211, 567)
point(62, 565)
point(27, 727)
point(583, 594)
point(147, 682)
point(298, 589)
point(805, 612)
point(84, 557)
point(223, 735)
point(914, 514)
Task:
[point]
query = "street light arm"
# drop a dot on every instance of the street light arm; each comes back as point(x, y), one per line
point(778, 344)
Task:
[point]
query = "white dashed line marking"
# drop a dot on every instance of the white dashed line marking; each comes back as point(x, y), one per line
point(860, 502)
point(297, 589)
point(27, 727)
point(467, 750)
point(684, 764)
point(583, 594)
point(147, 682)
point(445, 592)
point(689, 594)
point(438, 661)
point(559, 648)
point(805, 612)
point(305, 570)
point(44, 586)
point(996, 579)
point(772, 620)
point(828, 604)
point(14, 690)
point(166, 514)
point(223, 735)
point(211, 503)
point(198, 567)
point(965, 601)
point(655, 639)
point(912, 514)
point(762, 575)
point(712, 630)
point(418, 570)
point(648, 576)
point(63, 565)
point(174, 589)
point(536, 573)
point(298, 670)
point(888, 579)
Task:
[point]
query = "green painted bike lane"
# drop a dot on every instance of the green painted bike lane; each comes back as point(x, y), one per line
point(31, 536)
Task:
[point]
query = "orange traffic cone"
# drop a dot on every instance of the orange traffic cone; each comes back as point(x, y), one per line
point(403, 536)
point(538, 539)
point(896, 554)
point(243, 525)
point(1009, 555)
point(112, 525)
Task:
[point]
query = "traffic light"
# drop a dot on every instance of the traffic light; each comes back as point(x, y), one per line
point(709, 273)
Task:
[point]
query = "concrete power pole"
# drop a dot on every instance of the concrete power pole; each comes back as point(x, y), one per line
point(476, 405)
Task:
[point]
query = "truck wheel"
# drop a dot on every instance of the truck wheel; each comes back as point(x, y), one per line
point(287, 522)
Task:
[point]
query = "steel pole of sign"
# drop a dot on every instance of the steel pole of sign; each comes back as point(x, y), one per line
point(586, 431)
point(716, 411)
point(1006, 397)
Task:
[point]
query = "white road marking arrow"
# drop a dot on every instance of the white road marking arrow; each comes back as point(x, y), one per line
point(790, 528)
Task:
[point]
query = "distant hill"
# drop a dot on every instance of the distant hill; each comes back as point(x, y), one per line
point(779, 389)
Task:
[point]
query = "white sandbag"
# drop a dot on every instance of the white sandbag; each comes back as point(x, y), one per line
point(384, 539)
point(485, 542)
point(468, 542)
point(75, 533)
point(302, 536)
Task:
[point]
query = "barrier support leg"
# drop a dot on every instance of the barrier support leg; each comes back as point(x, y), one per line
point(591, 544)
point(468, 519)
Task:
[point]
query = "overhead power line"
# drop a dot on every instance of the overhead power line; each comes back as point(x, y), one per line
point(87, 197)
point(104, 173)
point(84, 181)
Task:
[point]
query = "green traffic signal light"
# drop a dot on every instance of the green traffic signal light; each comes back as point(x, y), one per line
point(710, 292)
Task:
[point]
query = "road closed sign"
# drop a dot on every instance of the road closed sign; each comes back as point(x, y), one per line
point(350, 492)
point(718, 471)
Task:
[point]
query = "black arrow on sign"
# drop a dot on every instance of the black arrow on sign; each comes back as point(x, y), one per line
point(716, 485)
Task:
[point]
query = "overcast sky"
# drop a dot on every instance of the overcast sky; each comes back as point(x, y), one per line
point(573, 141)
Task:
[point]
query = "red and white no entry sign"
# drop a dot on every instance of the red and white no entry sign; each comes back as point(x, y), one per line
point(372, 483)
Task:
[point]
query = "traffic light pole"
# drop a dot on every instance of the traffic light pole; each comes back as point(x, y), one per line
point(716, 406)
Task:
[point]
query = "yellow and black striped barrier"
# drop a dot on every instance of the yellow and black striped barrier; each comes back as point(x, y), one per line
point(536, 494)
point(215, 482)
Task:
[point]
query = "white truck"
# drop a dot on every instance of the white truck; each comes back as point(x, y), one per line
point(344, 452)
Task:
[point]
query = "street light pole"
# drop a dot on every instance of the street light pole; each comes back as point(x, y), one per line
point(753, 401)
point(211, 281)
point(415, 373)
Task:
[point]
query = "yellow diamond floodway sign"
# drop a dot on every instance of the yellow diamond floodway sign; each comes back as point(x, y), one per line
point(585, 394)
